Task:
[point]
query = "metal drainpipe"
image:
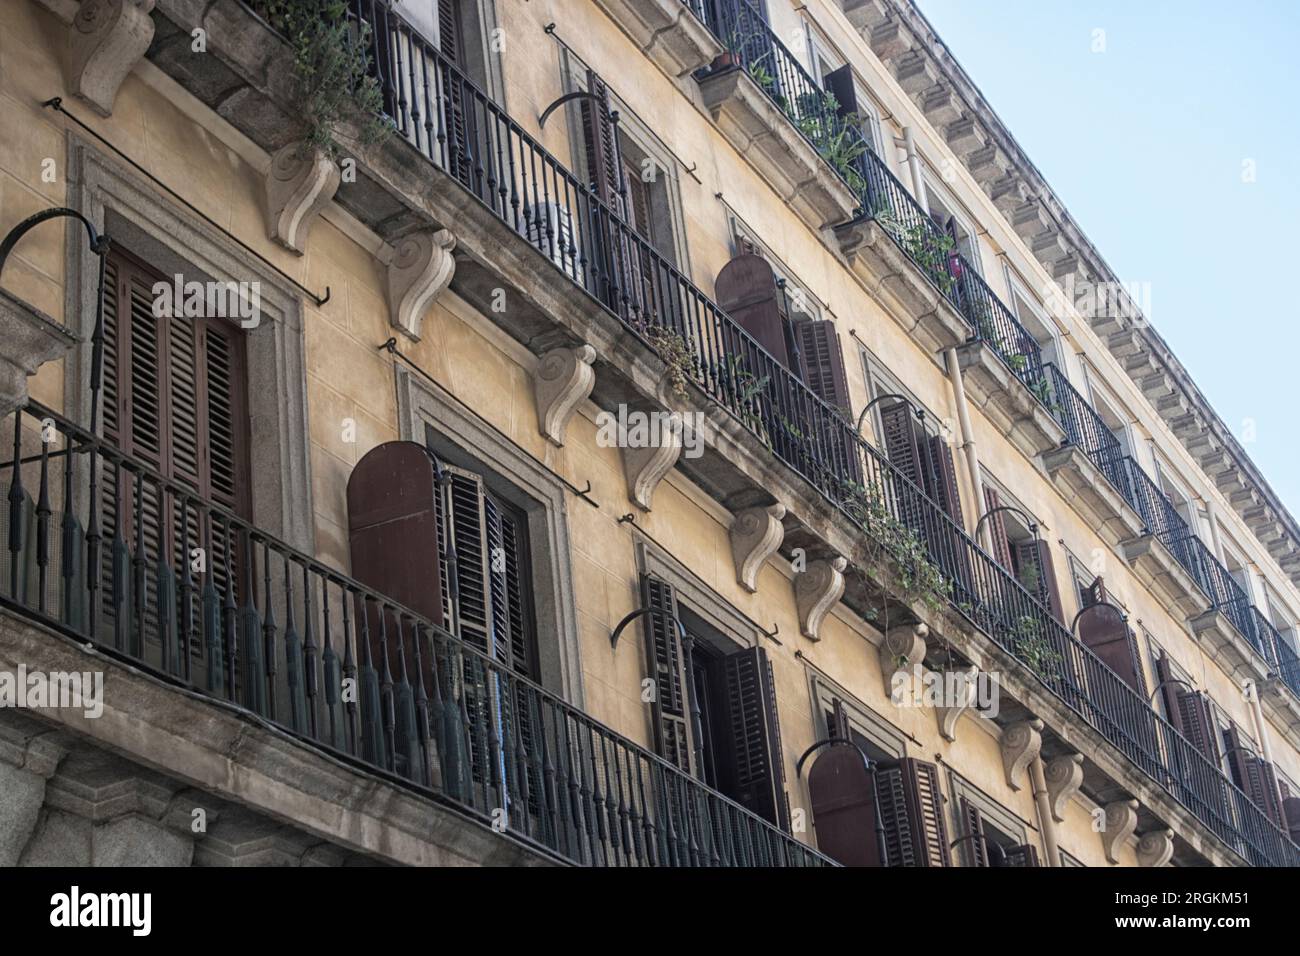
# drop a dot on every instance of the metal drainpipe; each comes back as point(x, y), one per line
point(1261, 734)
point(1038, 779)
point(950, 358)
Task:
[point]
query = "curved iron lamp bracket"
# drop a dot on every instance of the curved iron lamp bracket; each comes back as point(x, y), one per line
point(1165, 683)
point(1083, 610)
point(98, 244)
point(862, 416)
point(867, 763)
point(567, 97)
point(641, 612)
point(1033, 525)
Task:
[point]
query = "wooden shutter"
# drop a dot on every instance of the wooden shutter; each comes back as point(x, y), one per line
point(1103, 629)
point(1291, 811)
point(1254, 775)
point(843, 802)
point(755, 769)
point(839, 83)
point(1094, 593)
point(1189, 712)
point(747, 291)
point(945, 478)
point(600, 144)
point(902, 440)
point(466, 536)
point(450, 38)
point(998, 529)
point(664, 666)
point(823, 362)
point(977, 847)
point(1026, 854)
point(911, 813)
point(461, 142)
point(1036, 572)
point(511, 610)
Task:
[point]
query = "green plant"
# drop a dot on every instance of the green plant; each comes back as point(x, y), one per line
point(1033, 647)
point(332, 69)
point(677, 355)
point(924, 245)
point(898, 545)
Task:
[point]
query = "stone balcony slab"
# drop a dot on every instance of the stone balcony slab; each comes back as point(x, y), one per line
point(1007, 402)
point(1158, 569)
point(667, 32)
point(1082, 484)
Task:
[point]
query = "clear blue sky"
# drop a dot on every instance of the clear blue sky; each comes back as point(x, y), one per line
point(1145, 144)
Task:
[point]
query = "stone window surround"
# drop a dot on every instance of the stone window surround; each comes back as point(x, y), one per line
point(740, 229)
point(144, 219)
point(701, 600)
point(992, 812)
point(862, 718)
point(429, 415)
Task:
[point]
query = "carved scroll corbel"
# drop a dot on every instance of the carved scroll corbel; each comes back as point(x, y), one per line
point(816, 591)
point(108, 38)
point(1155, 847)
point(563, 380)
point(949, 716)
point(1020, 744)
point(1120, 824)
point(756, 533)
point(422, 267)
point(902, 650)
point(299, 185)
point(645, 467)
point(1064, 775)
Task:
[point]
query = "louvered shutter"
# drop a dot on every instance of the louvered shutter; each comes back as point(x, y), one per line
point(600, 144)
point(1189, 712)
point(1036, 572)
point(664, 666)
point(1291, 810)
point(746, 290)
point(505, 563)
point(755, 767)
point(902, 441)
point(823, 362)
point(1026, 854)
point(461, 144)
point(911, 814)
point(839, 83)
point(1254, 775)
point(977, 849)
point(997, 528)
point(465, 533)
point(1103, 629)
point(945, 478)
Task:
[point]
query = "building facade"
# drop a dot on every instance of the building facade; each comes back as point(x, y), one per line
point(630, 432)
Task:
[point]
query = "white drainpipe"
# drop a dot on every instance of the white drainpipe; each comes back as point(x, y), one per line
point(1038, 777)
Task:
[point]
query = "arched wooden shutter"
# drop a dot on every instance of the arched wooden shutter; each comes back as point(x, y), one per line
point(977, 849)
point(997, 528)
point(844, 804)
point(755, 768)
point(1038, 575)
point(393, 526)
point(1103, 629)
point(911, 812)
point(746, 290)
point(664, 666)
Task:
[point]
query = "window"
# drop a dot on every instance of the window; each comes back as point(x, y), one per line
point(460, 31)
point(1115, 422)
point(1035, 320)
point(1021, 549)
point(987, 833)
point(943, 210)
point(1174, 491)
point(735, 744)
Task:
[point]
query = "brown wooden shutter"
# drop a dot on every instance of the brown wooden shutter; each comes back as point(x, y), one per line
point(911, 812)
point(507, 568)
point(746, 290)
point(450, 39)
point(1291, 812)
point(1254, 775)
point(902, 440)
point(843, 800)
point(1094, 593)
point(1034, 559)
point(664, 666)
point(997, 529)
point(945, 479)
point(977, 848)
point(600, 143)
point(823, 362)
point(839, 83)
point(1103, 629)
point(393, 526)
point(1189, 712)
point(1026, 854)
point(754, 774)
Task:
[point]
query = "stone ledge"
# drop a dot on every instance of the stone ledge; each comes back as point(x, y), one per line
point(1158, 569)
point(1227, 648)
point(667, 32)
point(902, 289)
point(752, 123)
point(1007, 401)
point(1081, 483)
point(238, 757)
point(31, 338)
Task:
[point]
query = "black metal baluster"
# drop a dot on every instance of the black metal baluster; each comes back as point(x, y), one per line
point(388, 708)
point(186, 609)
point(349, 673)
point(293, 657)
point(16, 498)
point(43, 512)
point(407, 736)
point(121, 561)
point(372, 717)
point(165, 585)
point(69, 540)
point(332, 677)
point(139, 565)
point(311, 686)
point(229, 621)
point(425, 756)
point(270, 652)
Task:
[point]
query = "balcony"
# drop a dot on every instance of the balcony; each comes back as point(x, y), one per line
point(575, 259)
point(667, 32)
point(273, 634)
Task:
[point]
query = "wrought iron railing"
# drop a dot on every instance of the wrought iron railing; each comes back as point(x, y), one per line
point(100, 545)
point(462, 131)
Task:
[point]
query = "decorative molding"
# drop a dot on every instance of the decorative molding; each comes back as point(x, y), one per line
point(1020, 744)
point(421, 268)
point(563, 380)
point(1064, 775)
point(1121, 823)
point(31, 338)
point(816, 590)
point(297, 189)
point(1155, 847)
point(756, 533)
point(107, 38)
point(902, 649)
point(949, 716)
point(646, 467)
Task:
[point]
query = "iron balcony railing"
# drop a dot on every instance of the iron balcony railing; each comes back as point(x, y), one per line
point(462, 131)
point(101, 546)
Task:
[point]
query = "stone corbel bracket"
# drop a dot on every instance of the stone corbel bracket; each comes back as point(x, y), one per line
point(902, 650)
point(949, 716)
point(756, 533)
point(1064, 775)
point(1155, 847)
point(1020, 744)
point(30, 339)
point(107, 39)
point(421, 268)
point(816, 590)
point(563, 380)
point(300, 183)
point(1121, 823)
point(645, 467)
